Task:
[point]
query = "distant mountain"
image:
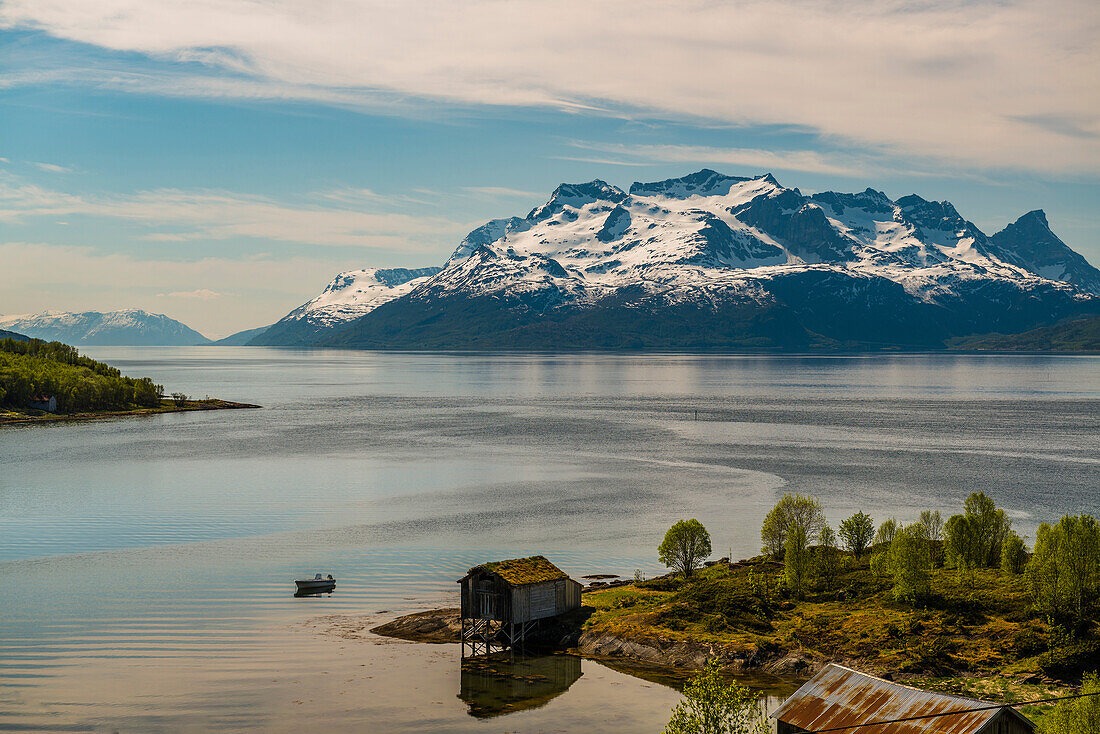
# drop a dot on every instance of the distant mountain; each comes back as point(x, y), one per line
point(1079, 335)
point(710, 261)
point(241, 338)
point(1029, 243)
point(349, 296)
point(12, 335)
point(130, 327)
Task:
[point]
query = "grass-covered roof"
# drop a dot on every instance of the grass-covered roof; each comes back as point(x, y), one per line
point(521, 571)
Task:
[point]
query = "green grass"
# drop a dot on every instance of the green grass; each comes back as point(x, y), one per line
point(978, 636)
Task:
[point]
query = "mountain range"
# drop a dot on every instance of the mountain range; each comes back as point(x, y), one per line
point(710, 261)
point(705, 261)
point(130, 327)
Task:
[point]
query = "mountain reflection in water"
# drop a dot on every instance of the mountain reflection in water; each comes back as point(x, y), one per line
point(493, 685)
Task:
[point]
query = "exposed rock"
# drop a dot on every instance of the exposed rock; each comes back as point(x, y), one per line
point(793, 664)
point(665, 653)
point(444, 625)
point(436, 626)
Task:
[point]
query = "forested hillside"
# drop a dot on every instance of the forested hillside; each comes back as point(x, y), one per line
point(33, 368)
point(1081, 335)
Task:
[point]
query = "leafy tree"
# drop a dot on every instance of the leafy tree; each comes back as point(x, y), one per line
point(685, 546)
point(1064, 570)
point(909, 563)
point(857, 531)
point(1013, 554)
point(974, 539)
point(932, 524)
point(713, 706)
point(1076, 715)
point(880, 562)
point(962, 545)
point(828, 562)
point(796, 562)
point(886, 531)
point(793, 510)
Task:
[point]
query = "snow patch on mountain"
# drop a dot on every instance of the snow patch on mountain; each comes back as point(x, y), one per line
point(701, 249)
point(720, 233)
point(130, 327)
point(356, 293)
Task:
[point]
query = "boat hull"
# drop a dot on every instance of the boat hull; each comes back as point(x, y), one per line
point(306, 588)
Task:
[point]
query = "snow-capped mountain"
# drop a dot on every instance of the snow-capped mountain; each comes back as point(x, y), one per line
point(130, 327)
point(716, 261)
point(349, 296)
point(1029, 243)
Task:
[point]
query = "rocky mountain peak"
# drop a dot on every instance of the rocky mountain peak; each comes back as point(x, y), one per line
point(577, 195)
point(701, 183)
point(1029, 243)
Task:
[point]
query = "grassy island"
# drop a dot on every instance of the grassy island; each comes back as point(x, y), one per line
point(79, 386)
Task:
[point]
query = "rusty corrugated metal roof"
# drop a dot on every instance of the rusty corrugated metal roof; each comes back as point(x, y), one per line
point(839, 696)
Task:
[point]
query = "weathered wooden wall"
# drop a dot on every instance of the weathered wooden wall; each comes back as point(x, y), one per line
point(549, 599)
point(500, 608)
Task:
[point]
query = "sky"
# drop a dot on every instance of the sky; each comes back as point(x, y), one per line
point(219, 161)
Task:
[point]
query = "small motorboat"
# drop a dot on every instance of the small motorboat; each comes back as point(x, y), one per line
point(317, 585)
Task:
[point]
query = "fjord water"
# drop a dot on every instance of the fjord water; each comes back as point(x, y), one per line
point(146, 563)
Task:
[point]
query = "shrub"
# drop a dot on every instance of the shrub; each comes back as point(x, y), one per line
point(726, 598)
point(713, 706)
point(1076, 715)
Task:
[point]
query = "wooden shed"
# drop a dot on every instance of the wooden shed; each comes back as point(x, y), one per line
point(839, 698)
point(501, 601)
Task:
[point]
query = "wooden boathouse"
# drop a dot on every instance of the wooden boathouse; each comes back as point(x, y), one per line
point(839, 698)
point(503, 601)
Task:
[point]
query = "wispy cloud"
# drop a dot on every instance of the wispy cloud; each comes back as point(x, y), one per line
point(754, 158)
point(599, 161)
point(204, 294)
point(499, 192)
point(173, 215)
point(1000, 83)
point(50, 167)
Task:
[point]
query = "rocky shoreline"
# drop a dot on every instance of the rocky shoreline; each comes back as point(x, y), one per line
point(439, 626)
point(168, 407)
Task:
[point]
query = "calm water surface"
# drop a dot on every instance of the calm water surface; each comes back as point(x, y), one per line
point(146, 563)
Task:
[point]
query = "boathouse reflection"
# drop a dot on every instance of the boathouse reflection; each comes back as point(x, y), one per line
point(493, 685)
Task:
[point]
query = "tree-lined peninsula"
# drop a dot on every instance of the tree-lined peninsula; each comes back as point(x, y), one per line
point(42, 380)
